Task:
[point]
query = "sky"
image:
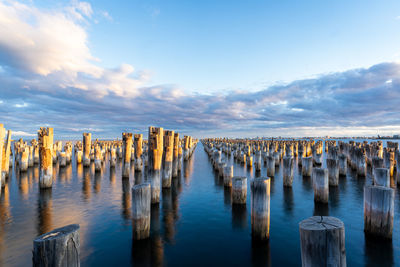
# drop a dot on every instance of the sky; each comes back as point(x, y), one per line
point(204, 68)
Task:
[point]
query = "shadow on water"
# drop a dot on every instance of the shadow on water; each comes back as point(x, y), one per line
point(227, 196)
point(260, 253)
point(44, 210)
point(378, 252)
point(334, 197)
point(239, 216)
point(307, 184)
point(126, 199)
point(288, 203)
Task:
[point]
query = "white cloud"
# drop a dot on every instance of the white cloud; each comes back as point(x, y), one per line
point(23, 105)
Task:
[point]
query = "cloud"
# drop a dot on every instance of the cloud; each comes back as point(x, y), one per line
point(48, 69)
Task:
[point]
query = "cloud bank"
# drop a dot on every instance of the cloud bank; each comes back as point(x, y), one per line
point(48, 77)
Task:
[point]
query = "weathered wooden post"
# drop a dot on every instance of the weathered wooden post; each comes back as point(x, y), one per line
point(186, 147)
point(141, 204)
point(360, 162)
point(2, 155)
point(239, 190)
point(381, 177)
point(79, 156)
point(138, 152)
point(156, 136)
point(5, 158)
point(127, 151)
point(258, 161)
point(60, 247)
point(113, 157)
point(87, 146)
point(24, 161)
point(322, 240)
point(62, 159)
point(30, 157)
point(378, 210)
point(333, 171)
point(270, 166)
point(175, 160)
point(260, 208)
point(342, 165)
point(228, 175)
point(321, 185)
point(307, 166)
point(45, 137)
point(287, 171)
point(168, 152)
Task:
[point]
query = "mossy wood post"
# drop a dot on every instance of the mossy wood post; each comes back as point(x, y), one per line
point(58, 248)
point(156, 136)
point(45, 138)
point(322, 240)
point(168, 158)
point(260, 208)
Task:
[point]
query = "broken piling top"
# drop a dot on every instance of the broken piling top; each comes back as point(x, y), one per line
point(168, 145)
point(156, 144)
point(45, 137)
point(138, 145)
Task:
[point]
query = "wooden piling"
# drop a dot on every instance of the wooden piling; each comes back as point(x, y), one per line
point(307, 166)
point(175, 156)
point(168, 158)
point(270, 166)
point(138, 152)
point(322, 240)
point(381, 177)
point(260, 208)
point(45, 138)
point(239, 190)
point(333, 171)
point(228, 175)
point(87, 146)
point(287, 171)
point(156, 136)
point(342, 165)
point(5, 158)
point(141, 204)
point(321, 185)
point(60, 247)
point(127, 153)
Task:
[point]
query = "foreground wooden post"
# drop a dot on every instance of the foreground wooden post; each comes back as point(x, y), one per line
point(175, 160)
point(307, 165)
point(321, 185)
point(342, 165)
point(138, 152)
point(260, 208)
point(58, 248)
point(228, 175)
point(287, 171)
point(322, 240)
point(333, 171)
point(156, 136)
point(239, 190)
point(87, 146)
point(127, 151)
point(168, 152)
point(141, 204)
point(381, 177)
point(45, 137)
point(378, 210)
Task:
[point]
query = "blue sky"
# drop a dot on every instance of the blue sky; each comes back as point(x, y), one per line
point(211, 67)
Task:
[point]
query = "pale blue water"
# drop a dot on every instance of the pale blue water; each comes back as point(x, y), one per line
point(195, 223)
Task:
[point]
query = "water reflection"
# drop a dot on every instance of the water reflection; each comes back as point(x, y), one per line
point(126, 199)
point(334, 197)
point(288, 199)
point(97, 182)
point(260, 253)
point(378, 252)
point(306, 184)
point(168, 215)
point(112, 177)
point(45, 220)
point(227, 196)
point(321, 209)
point(23, 184)
point(86, 184)
point(239, 216)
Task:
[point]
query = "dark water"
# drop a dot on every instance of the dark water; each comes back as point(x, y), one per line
point(195, 223)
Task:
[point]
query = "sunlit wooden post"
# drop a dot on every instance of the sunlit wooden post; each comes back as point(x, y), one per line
point(322, 242)
point(156, 136)
point(175, 156)
point(239, 190)
point(321, 185)
point(60, 247)
point(138, 152)
point(5, 157)
point(45, 137)
point(141, 205)
point(260, 208)
point(98, 158)
point(127, 152)
point(87, 146)
point(180, 156)
point(186, 147)
point(62, 159)
point(168, 152)
point(24, 161)
point(2, 155)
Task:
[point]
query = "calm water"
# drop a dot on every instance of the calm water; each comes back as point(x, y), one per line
point(195, 223)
